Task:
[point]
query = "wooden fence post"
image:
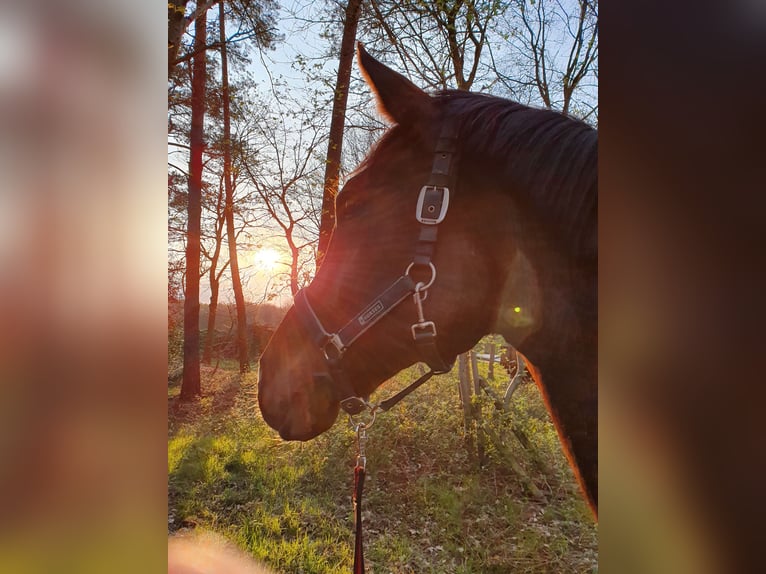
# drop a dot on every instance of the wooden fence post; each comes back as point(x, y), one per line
point(477, 415)
point(491, 368)
point(465, 399)
point(518, 378)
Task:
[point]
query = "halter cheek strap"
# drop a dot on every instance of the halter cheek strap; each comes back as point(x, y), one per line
point(431, 209)
point(434, 197)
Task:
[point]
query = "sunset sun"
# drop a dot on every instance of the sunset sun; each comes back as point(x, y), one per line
point(266, 258)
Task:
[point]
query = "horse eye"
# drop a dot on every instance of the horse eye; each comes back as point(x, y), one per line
point(350, 207)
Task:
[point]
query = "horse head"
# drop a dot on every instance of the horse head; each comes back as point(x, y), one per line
point(375, 242)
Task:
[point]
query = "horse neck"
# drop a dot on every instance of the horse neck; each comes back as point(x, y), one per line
point(544, 291)
point(545, 161)
point(559, 285)
point(553, 300)
point(555, 182)
point(546, 254)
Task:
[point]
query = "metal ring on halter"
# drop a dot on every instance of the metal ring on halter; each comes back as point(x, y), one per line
point(358, 424)
point(433, 274)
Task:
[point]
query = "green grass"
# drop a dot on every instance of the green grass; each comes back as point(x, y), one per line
point(428, 507)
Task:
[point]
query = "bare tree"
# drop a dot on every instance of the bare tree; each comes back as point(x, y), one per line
point(214, 272)
point(284, 167)
point(553, 52)
point(214, 236)
point(438, 44)
point(255, 21)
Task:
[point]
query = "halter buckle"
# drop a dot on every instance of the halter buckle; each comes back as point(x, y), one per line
point(433, 202)
point(423, 330)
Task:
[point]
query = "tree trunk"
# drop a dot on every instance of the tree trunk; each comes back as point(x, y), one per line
point(294, 262)
point(335, 144)
point(215, 279)
point(236, 281)
point(190, 387)
point(207, 354)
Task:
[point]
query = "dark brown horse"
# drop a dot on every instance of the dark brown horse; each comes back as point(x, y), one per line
point(512, 192)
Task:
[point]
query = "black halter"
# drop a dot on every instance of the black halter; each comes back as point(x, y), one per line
point(432, 205)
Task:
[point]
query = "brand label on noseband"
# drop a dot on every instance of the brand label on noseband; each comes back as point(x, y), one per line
point(371, 312)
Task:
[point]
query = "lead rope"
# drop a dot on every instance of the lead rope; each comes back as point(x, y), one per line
point(358, 545)
point(359, 474)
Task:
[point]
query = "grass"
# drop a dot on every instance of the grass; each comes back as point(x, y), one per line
point(428, 506)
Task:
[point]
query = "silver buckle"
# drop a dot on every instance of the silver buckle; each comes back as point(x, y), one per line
point(432, 218)
point(424, 326)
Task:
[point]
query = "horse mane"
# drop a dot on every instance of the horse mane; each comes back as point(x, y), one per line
point(548, 159)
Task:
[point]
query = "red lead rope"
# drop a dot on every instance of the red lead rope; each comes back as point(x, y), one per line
point(358, 547)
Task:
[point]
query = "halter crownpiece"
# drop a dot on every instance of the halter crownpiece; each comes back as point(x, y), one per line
point(432, 205)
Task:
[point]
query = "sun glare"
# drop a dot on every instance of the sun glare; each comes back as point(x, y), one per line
point(266, 258)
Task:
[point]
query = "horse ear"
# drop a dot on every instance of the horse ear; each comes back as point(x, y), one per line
point(399, 100)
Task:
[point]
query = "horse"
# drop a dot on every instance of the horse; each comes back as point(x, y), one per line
point(472, 215)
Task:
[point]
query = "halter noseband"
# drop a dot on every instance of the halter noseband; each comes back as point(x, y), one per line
point(431, 210)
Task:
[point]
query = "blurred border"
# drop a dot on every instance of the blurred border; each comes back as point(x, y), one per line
point(83, 286)
point(681, 286)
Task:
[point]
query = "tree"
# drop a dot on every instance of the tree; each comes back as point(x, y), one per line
point(335, 141)
point(256, 19)
point(438, 44)
point(211, 235)
point(190, 387)
point(283, 166)
point(554, 46)
point(214, 273)
point(176, 26)
point(239, 297)
point(255, 24)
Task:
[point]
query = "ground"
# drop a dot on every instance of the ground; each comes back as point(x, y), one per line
point(428, 507)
